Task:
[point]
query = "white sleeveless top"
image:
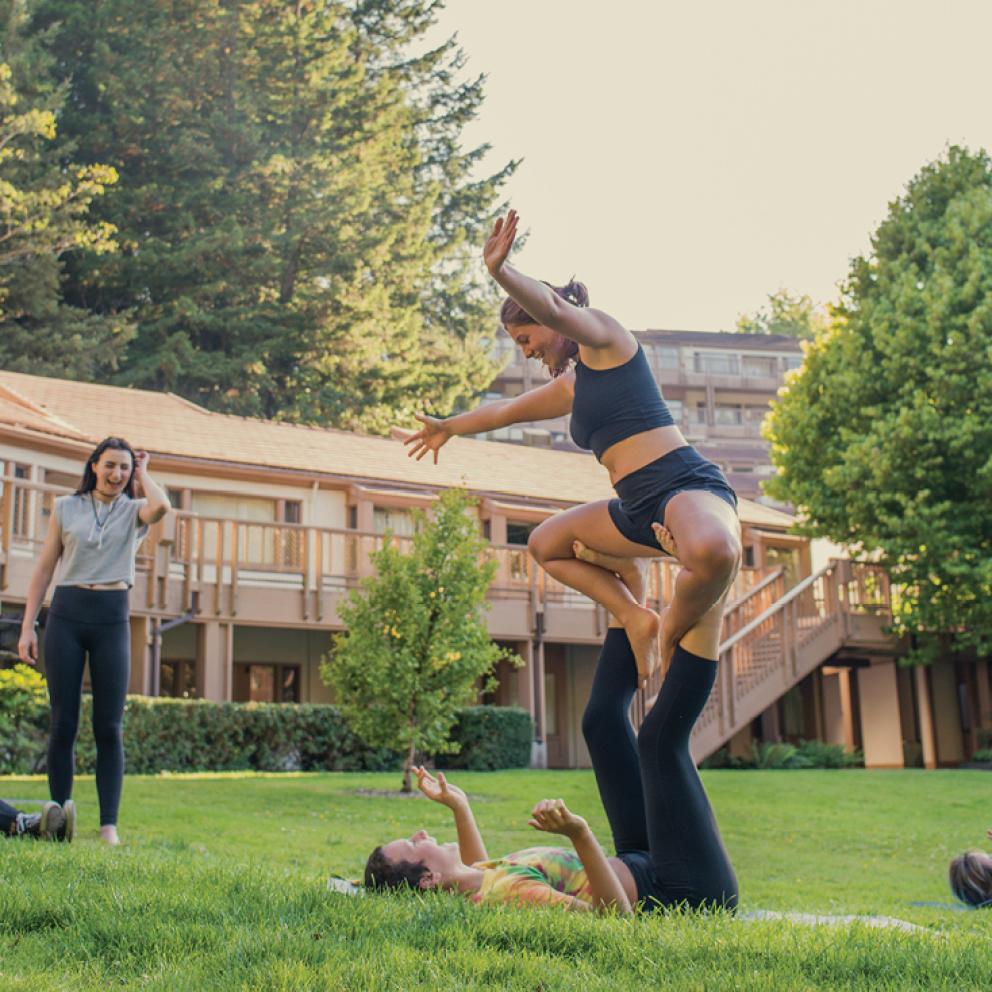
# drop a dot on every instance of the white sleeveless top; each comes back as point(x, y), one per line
point(99, 540)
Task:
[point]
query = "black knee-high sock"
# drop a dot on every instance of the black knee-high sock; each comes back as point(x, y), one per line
point(612, 745)
point(687, 853)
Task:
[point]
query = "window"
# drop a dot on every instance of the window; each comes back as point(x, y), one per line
point(518, 532)
point(676, 409)
point(713, 363)
point(267, 683)
point(699, 414)
point(728, 413)
point(393, 519)
point(177, 679)
point(756, 367)
point(22, 502)
point(792, 362)
point(667, 357)
point(293, 512)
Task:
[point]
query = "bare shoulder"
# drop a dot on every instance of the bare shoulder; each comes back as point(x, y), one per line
point(618, 345)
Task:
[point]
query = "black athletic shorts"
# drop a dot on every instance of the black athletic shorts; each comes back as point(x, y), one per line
point(644, 494)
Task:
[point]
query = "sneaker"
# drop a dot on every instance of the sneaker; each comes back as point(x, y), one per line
point(68, 830)
point(45, 825)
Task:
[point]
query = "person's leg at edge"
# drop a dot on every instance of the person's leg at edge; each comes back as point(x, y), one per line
point(65, 656)
point(706, 531)
point(687, 852)
point(110, 668)
point(552, 545)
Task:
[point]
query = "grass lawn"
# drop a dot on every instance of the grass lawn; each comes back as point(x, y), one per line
point(221, 885)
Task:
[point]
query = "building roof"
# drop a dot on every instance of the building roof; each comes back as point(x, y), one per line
point(168, 425)
point(724, 339)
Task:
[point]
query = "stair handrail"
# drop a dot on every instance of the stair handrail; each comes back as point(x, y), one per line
point(795, 591)
point(754, 590)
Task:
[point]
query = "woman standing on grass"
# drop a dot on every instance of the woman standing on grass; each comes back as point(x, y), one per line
point(93, 537)
point(617, 412)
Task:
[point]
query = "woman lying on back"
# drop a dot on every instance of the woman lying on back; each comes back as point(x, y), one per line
point(582, 879)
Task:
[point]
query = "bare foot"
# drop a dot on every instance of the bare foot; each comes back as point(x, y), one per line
point(664, 537)
point(631, 571)
point(643, 626)
point(108, 834)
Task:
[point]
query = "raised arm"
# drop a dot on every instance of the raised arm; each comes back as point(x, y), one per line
point(553, 816)
point(156, 502)
point(470, 845)
point(553, 399)
point(44, 569)
point(587, 326)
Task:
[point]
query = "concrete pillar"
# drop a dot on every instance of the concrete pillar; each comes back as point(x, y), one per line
point(215, 651)
point(539, 754)
point(946, 714)
point(838, 720)
point(924, 712)
point(140, 682)
point(881, 726)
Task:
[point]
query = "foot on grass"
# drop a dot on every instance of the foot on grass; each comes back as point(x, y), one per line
point(108, 834)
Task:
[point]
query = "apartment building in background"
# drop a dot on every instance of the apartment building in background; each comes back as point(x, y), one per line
point(717, 385)
point(237, 590)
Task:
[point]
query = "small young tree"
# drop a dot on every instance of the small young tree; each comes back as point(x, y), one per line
point(417, 643)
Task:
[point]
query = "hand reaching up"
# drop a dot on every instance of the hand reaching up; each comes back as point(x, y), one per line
point(499, 242)
point(438, 789)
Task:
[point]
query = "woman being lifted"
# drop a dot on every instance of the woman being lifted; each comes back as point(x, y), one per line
point(600, 375)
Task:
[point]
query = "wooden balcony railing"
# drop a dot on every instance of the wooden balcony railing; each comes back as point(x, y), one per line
point(218, 556)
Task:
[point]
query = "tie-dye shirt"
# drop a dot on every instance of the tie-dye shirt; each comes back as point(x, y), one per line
point(546, 875)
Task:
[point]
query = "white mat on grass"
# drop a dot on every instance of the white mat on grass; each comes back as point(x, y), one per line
point(817, 919)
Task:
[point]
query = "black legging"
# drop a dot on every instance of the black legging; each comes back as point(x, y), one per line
point(94, 622)
point(8, 818)
point(663, 827)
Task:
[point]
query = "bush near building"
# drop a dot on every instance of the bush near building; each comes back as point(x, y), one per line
point(196, 735)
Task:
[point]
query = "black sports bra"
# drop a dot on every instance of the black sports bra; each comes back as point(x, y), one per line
point(613, 404)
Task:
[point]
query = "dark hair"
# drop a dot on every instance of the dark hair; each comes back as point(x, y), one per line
point(383, 874)
point(88, 482)
point(970, 876)
point(572, 292)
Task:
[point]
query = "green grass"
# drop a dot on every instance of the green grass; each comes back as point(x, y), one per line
point(221, 885)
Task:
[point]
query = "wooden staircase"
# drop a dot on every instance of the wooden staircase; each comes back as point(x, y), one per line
point(775, 638)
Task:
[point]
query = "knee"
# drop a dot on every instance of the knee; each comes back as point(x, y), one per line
point(539, 544)
point(716, 556)
point(108, 733)
point(63, 729)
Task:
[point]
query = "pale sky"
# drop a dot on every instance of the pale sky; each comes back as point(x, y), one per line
point(685, 159)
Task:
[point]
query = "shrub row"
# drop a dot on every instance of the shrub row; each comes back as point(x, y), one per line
point(782, 755)
point(195, 735)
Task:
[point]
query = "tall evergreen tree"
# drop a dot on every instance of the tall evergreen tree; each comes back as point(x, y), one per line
point(45, 201)
point(294, 205)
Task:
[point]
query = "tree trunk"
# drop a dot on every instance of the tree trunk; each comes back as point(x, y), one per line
point(407, 766)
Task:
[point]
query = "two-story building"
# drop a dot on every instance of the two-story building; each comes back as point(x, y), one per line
point(238, 590)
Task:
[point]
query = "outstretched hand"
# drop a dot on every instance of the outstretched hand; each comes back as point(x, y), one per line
point(439, 789)
point(554, 817)
point(430, 437)
point(499, 242)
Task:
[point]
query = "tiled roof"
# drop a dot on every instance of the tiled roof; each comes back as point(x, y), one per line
point(166, 424)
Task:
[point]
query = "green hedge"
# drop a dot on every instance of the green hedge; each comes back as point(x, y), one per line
point(491, 737)
point(183, 735)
